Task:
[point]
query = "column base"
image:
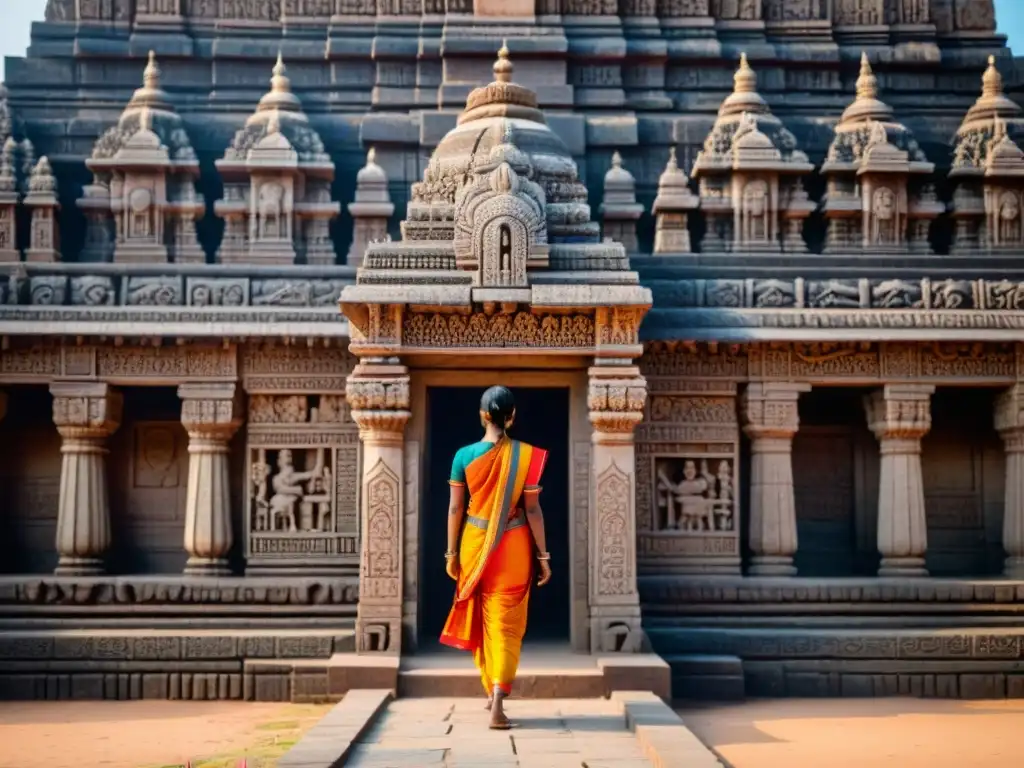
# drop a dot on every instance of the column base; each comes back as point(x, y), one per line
point(207, 566)
point(1013, 568)
point(80, 566)
point(902, 566)
point(772, 565)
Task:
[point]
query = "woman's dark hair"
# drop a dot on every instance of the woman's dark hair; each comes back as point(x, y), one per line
point(499, 404)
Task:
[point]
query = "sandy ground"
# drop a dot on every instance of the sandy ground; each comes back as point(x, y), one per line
point(148, 734)
point(856, 733)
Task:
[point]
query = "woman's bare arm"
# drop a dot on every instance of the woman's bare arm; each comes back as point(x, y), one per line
point(535, 519)
point(456, 511)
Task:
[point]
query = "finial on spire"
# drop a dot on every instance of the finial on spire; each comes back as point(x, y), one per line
point(503, 67)
point(371, 156)
point(992, 80)
point(867, 83)
point(745, 80)
point(151, 75)
point(280, 83)
point(672, 163)
point(616, 159)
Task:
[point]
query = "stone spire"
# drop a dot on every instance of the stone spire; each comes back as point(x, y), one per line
point(674, 201)
point(8, 203)
point(371, 209)
point(744, 96)
point(619, 209)
point(867, 106)
point(280, 98)
point(151, 95)
point(42, 203)
point(502, 97)
point(993, 102)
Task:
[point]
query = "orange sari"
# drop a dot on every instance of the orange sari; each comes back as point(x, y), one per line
point(488, 616)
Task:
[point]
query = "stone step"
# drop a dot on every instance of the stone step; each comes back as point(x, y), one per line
point(707, 677)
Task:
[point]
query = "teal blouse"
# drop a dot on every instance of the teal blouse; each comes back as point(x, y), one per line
point(466, 456)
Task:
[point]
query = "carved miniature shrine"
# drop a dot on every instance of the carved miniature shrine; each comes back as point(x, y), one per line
point(752, 267)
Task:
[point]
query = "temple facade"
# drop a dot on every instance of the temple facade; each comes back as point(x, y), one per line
point(754, 269)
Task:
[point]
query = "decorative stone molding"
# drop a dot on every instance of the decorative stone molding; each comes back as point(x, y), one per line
point(86, 414)
point(672, 206)
point(619, 208)
point(771, 420)
point(370, 210)
point(211, 414)
point(379, 396)
point(1009, 421)
point(900, 415)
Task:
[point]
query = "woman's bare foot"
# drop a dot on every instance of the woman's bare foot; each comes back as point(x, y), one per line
point(498, 720)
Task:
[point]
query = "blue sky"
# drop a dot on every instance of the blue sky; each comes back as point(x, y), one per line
point(18, 16)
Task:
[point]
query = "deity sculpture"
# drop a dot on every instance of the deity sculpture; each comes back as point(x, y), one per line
point(297, 495)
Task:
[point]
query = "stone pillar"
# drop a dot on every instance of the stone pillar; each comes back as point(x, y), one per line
point(1009, 420)
point(211, 414)
point(86, 414)
point(616, 399)
point(770, 421)
point(378, 393)
point(900, 415)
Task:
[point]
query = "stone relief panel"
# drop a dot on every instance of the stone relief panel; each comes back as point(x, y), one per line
point(278, 369)
point(302, 455)
point(694, 493)
point(687, 463)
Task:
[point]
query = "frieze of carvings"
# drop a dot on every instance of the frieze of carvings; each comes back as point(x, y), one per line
point(519, 330)
point(695, 493)
point(866, 361)
point(274, 368)
point(664, 362)
point(171, 590)
point(842, 293)
point(40, 289)
point(173, 363)
point(249, 317)
point(683, 8)
point(619, 326)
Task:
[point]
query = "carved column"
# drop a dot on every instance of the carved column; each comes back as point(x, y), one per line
point(378, 393)
point(770, 421)
point(211, 414)
point(900, 415)
point(86, 414)
point(616, 398)
point(1009, 420)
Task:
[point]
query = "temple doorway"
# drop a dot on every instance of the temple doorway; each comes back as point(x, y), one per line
point(453, 420)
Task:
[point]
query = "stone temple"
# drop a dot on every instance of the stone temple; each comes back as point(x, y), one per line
point(754, 268)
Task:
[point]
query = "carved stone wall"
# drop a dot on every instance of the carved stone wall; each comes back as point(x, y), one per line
point(688, 471)
point(302, 461)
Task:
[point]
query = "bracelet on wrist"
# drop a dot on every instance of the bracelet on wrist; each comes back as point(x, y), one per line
point(543, 555)
point(449, 555)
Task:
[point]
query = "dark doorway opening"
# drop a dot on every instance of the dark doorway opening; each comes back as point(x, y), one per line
point(453, 420)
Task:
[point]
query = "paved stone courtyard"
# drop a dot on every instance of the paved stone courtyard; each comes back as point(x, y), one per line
point(856, 733)
point(553, 733)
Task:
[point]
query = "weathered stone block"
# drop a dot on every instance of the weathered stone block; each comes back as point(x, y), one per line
point(272, 688)
point(1015, 686)
point(946, 687)
point(87, 686)
point(982, 686)
point(155, 686)
point(857, 686)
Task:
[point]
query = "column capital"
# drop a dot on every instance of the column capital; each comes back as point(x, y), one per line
point(770, 409)
point(1008, 415)
point(378, 394)
point(86, 409)
point(212, 410)
point(900, 411)
point(616, 397)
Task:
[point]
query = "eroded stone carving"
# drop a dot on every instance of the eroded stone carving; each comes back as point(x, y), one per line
point(694, 494)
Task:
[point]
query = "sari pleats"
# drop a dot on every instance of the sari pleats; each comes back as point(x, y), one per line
point(488, 616)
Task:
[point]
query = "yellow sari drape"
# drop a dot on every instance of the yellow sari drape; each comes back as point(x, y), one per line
point(488, 616)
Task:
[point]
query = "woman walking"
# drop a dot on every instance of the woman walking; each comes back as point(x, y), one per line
point(501, 537)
